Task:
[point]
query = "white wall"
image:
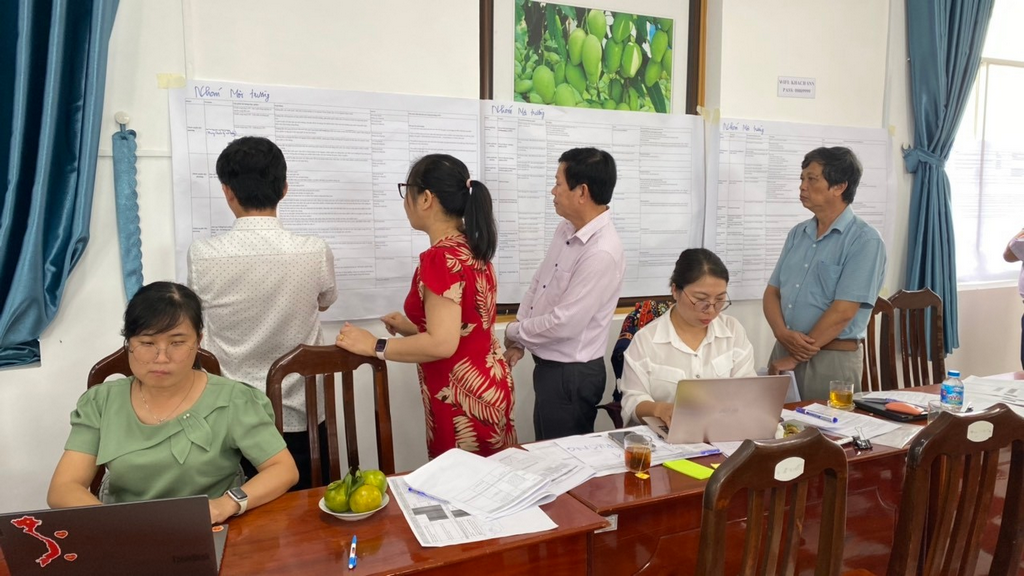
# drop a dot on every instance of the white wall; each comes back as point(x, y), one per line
point(431, 48)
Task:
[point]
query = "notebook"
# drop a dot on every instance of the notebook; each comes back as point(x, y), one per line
point(154, 537)
point(724, 410)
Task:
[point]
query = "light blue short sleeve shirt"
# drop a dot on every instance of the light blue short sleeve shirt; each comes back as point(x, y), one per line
point(846, 263)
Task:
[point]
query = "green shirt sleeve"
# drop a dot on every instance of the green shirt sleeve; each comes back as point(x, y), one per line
point(252, 427)
point(85, 422)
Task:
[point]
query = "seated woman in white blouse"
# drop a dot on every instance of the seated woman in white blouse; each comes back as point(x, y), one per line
point(692, 340)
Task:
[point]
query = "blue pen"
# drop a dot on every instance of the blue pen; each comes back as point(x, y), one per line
point(352, 554)
point(824, 417)
point(711, 452)
point(425, 495)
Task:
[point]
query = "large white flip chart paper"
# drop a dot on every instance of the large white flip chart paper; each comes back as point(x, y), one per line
point(758, 191)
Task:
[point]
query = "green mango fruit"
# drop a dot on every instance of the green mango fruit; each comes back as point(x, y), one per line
point(658, 45)
point(632, 57)
point(597, 23)
point(535, 98)
point(666, 62)
point(612, 55)
point(564, 95)
point(559, 73)
point(524, 86)
point(551, 58)
point(592, 58)
point(576, 78)
point(634, 99)
point(609, 104)
point(623, 106)
point(518, 66)
point(652, 74)
point(544, 83)
point(622, 26)
point(664, 23)
point(615, 89)
point(576, 45)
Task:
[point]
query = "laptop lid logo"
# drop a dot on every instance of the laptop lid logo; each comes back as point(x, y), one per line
point(30, 525)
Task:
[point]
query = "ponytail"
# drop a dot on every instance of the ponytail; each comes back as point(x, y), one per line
point(481, 231)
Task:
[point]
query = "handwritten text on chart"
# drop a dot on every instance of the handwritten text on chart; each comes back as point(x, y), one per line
point(207, 91)
point(520, 111)
point(729, 126)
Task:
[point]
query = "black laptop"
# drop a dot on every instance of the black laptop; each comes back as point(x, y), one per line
point(155, 537)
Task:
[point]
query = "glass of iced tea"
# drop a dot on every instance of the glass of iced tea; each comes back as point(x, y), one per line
point(638, 454)
point(840, 395)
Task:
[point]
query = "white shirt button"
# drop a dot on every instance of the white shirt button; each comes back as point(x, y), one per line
point(797, 285)
point(805, 265)
point(789, 306)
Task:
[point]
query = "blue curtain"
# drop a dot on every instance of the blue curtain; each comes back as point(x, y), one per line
point(944, 38)
point(53, 60)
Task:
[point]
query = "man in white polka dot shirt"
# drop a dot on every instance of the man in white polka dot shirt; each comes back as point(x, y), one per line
point(262, 287)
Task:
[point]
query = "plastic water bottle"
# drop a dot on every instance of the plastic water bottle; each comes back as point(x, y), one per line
point(952, 394)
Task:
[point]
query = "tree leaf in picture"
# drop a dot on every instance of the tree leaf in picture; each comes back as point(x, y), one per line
point(657, 98)
point(555, 31)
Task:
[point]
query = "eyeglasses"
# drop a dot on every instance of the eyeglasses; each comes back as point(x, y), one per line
point(703, 306)
point(147, 352)
point(402, 193)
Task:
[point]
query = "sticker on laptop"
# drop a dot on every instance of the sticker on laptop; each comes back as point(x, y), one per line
point(30, 525)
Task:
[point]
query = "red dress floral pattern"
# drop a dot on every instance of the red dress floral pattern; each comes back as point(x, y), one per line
point(469, 398)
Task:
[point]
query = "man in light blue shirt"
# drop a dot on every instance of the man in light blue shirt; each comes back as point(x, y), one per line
point(820, 296)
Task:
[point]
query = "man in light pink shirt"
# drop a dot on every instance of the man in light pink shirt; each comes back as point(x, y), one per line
point(563, 319)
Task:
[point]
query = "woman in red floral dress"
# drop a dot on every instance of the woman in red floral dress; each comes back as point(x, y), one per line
point(448, 326)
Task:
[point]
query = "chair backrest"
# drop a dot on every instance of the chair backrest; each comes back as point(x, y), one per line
point(920, 339)
point(117, 363)
point(776, 473)
point(643, 313)
point(880, 349)
point(948, 492)
point(312, 361)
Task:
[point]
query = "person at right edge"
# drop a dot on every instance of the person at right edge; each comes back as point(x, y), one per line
point(1015, 253)
point(825, 283)
point(563, 319)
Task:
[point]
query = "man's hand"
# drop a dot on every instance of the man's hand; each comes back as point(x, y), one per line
point(397, 323)
point(513, 354)
point(787, 364)
point(799, 345)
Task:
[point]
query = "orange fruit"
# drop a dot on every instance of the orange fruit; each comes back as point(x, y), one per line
point(366, 498)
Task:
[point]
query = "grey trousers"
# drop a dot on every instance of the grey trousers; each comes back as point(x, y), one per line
point(813, 376)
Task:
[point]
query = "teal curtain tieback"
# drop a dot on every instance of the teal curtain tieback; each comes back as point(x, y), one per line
point(912, 157)
point(126, 198)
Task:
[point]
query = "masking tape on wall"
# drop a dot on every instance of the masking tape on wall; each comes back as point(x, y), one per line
point(165, 81)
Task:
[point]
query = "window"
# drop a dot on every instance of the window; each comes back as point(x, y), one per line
point(986, 165)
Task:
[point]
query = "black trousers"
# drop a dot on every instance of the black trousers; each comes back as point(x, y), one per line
point(567, 395)
point(298, 445)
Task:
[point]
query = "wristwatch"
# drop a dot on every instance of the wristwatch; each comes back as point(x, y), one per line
point(382, 345)
point(239, 495)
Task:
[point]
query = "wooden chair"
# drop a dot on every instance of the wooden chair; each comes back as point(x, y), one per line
point(772, 472)
point(312, 361)
point(920, 340)
point(117, 363)
point(947, 495)
point(643, 313)
point(880, 349)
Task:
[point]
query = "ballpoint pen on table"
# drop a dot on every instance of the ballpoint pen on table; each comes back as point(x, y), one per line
point(352, 554)
point(818, 415)
point(425, 495)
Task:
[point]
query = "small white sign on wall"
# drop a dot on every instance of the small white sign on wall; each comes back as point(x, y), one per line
point(793, 87)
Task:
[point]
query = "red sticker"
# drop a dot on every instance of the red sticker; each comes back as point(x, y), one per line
point(71, 557)
point(60, 534)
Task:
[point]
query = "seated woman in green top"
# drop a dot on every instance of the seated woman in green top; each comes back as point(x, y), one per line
point(171, 430)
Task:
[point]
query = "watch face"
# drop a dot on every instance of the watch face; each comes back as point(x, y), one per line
point(382, 343)
point(238, 494)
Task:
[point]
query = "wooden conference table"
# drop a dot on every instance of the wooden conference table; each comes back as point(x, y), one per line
point(654, 524)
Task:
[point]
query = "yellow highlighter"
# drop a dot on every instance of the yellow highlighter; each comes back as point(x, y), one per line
point(691, 469)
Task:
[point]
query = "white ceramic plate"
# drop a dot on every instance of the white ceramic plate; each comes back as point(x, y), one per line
point(352, 516)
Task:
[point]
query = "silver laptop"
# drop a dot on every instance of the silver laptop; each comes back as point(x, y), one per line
point(725, 410)
point(154, 537)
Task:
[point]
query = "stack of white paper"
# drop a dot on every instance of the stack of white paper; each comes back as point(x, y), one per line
point(564, 475)
point(604, 456)
point(982, 393)
point(437, 523)
point(849, 423)
point(919, 399)
point(482, 487)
